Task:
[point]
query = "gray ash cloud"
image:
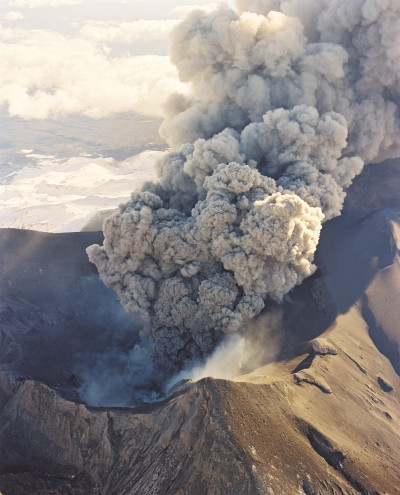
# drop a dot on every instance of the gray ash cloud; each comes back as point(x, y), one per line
point(289, 100)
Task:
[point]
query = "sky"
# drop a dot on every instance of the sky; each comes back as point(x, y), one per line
point(82, 86)
point(88, 79)
point(89, 57)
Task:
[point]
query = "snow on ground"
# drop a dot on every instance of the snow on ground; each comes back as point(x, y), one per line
point(63, 195)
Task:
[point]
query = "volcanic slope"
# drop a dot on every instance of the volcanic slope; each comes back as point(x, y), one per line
point(323, 417)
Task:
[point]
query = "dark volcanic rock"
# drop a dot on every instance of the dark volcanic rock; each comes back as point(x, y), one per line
point(211, 437)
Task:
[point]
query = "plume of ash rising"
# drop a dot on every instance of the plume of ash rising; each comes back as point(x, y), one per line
point(289, 99)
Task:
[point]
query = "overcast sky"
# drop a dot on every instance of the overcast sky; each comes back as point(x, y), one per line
point(90, 57)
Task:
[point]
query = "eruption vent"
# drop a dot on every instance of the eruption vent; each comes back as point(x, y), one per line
point(289, 99)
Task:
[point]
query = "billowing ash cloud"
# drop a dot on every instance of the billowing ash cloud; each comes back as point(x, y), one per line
point(289, 99)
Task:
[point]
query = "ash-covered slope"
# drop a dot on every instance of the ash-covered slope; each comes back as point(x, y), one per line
point(322, 418)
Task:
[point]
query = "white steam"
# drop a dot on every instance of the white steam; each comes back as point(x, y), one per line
point(286, 106)
point(258, 344)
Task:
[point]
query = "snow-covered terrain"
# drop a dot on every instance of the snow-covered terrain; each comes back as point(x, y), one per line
point(62, 195)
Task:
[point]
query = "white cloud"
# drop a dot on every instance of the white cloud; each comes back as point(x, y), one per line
point(144, 30)
point(34, 4)
point(182, 11)
point(14, 15)
point(44, 73)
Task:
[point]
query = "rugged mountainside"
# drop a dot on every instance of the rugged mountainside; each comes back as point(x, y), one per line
point(323, 417)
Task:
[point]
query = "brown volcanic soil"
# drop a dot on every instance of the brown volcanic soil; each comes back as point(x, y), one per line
point(324, 417)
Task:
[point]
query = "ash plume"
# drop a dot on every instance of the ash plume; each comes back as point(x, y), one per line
point(288, 100)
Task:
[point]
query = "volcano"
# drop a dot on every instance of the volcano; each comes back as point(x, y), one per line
point(321, 417)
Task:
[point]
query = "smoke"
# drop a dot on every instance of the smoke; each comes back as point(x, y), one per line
point(288, 100)
point(257, 344)
point(119, 377)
